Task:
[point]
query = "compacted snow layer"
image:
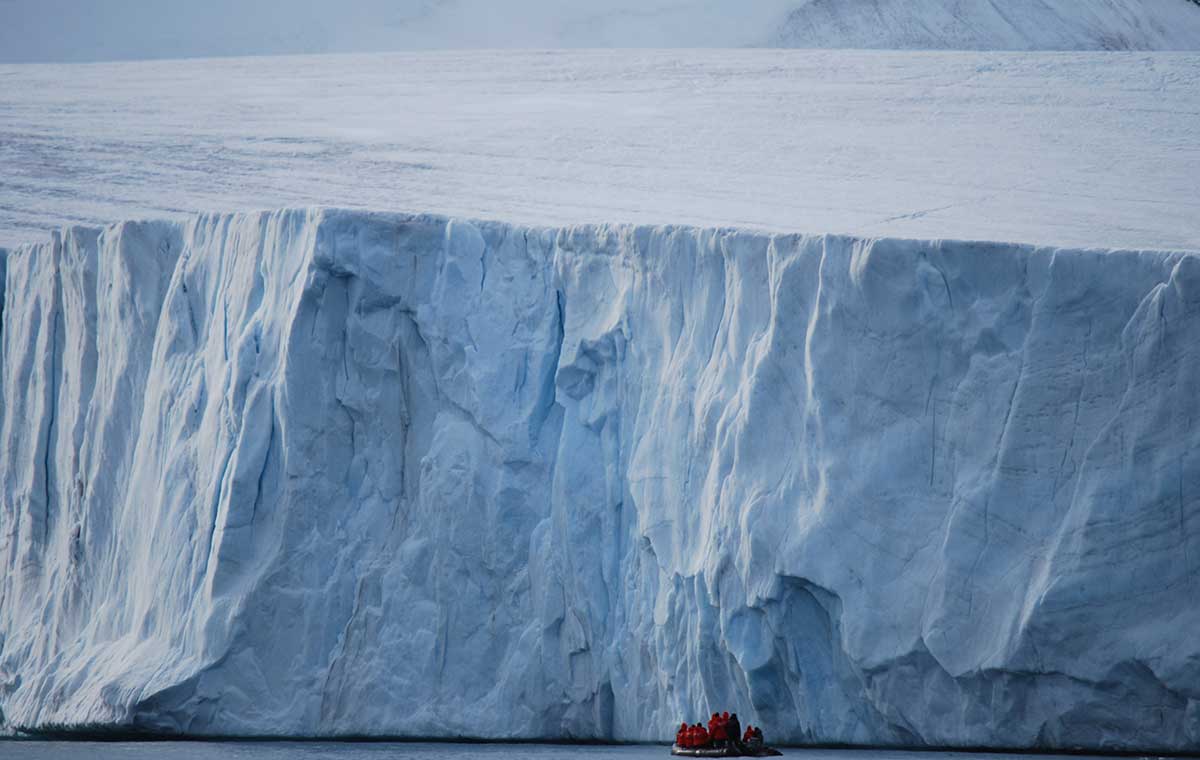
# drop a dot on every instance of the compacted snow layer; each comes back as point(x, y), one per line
point(328, 472)
point(1069, 149)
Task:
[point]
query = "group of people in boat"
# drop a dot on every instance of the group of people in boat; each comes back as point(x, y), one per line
point(723, 730)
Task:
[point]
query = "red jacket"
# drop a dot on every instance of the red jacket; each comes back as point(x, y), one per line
point(720, 730)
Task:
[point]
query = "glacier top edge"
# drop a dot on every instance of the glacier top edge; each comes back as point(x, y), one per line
point(566, 231)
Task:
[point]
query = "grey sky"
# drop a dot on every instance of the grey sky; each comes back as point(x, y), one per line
point(86, 30)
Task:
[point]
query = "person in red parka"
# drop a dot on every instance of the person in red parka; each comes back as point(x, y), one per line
point(753, 738)
point(680, 734)
point(719, 736)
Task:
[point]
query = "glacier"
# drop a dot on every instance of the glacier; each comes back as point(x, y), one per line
point(317, 472)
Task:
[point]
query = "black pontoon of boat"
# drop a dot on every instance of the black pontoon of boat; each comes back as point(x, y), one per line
point(743, 750)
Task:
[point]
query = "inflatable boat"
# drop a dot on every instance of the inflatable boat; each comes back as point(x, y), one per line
point(743, 750)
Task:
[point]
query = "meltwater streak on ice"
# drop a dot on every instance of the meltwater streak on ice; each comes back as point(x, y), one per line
point(326, 472)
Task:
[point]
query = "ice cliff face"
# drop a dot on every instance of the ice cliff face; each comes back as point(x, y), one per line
point(339, 473)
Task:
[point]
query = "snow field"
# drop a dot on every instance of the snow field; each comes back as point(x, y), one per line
point(1064, 149)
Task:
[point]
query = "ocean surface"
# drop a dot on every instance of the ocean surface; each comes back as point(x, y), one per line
point(279, 750)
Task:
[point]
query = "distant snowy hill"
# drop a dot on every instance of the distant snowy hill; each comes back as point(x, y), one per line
point(995, 24)
point(89, 30)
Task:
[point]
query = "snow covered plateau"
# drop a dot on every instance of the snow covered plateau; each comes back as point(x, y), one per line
point(584, 470)
point(1096, 150)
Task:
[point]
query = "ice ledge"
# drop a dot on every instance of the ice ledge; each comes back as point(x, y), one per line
point(321, 472)
point(332, 214)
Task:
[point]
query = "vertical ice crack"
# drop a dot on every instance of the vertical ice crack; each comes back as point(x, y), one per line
point(933, 424)
point(1075, 419)
point(191, 312)
point(945, 280)
point(1187, 561)
point(987, 502)
point(548, 394)
point(561, 334)
point(52, 414)
point(812, 423)
point(3, 283)
point(216, 511)
point(406, 405)
point(331, 700)
point(262, 474)
point(405, 427)
point(483, 267)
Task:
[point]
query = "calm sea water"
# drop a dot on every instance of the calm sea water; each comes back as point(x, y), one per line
point(56, 750)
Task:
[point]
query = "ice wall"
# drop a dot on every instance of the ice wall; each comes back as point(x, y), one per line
point(319, 472)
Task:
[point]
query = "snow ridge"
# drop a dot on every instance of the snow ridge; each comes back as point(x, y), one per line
point(992, 25)
point(319, 472)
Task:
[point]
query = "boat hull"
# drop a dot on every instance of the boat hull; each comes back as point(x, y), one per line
point(724, 751)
